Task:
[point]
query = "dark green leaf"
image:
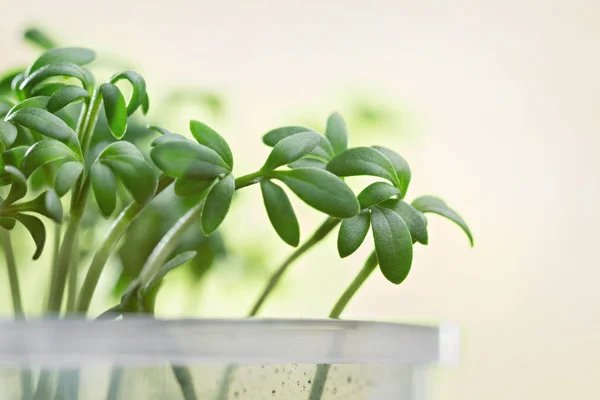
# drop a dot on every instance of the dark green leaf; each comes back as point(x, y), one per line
point(186, 159)
point(291, 149)
point(280, 212)
point(104, 185)
point(8, 223)
point(38, 38)
point(146, 104)
point(308, 163)
point(18, 187)
point(8, 134)
point(363, 161)
point(47, 204)
point(190, 187)
point(15, 86)
point(337, 133)
point(66, 176)
point(36, 230)
point(435, 205)
point(414, 219)
point(47, 89)
point(65, 96)
point(14, 156)
point(116, 111)
point(138, 94)
point(321, 190)
point(173, 263)
point(210, 138)
point(323, 150)
point(393, 244)
point(32, 102)
point(352, 233)
point(217, 204)
point(44, 152)
point(54, 70)
point(6, 81)
point(400, 166)
point(375, 193)
point(63, 55)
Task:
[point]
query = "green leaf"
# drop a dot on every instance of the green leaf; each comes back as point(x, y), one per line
point(308, 163)
point(6, 80)
point(129, 165)
point(186, 159)
point(38, 38)
point(15, 86)
point(291, 149)
point(146, 104)
point(8, 134)
point(5, 107)
point(115, 109)
point(400, 166)
point(337, 133)
point(323, 151)
point(47, 204)
point(14, 156)
point(210, 138)
point(65, 96)
point(44, 152)
point(63, 55)
point(8, 223)
point(173, 263)
point(104, 186)
point(217, 204)
point(414, 219)
point(376, 193)
point(168, 137)
point(32, 102)
point(47, 124)
point(435, 205)
point(352, 233)
point(190, 187)
point(363, 161)
point(47, 89)
point(66, 176)
point(161, 130)
point(393, 244)
point(36, 230)
point(321, 190)
point(138, 94)
point(280, 212)
point(54, 70)
point(18, 187)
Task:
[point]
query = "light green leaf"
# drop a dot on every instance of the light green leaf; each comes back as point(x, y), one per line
point(104, 186)
point(323, 151)
point(363, 161)
point(337, 133)
point(18, 187)
point(400, 166)
point(435, 205)
point(291, 149)
point(66, 176)
point(38, 38)
point(54, 70)
point(32, 102)
point(173, 263)
point(280, 212)
point(217, 204)
point(65, 96)
point(414, 219)
point(186, 159)
point(44, 152)
point(393, 244)
point(208, 137)
point(8, 134)
point(352, 233)
point(376, 193)
point(36, 230)
point(139, 97)
point(63, 55)
point(115, 109)
point(190, 187)
point(321, 190)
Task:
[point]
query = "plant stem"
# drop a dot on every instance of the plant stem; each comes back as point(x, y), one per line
point(73, 275)
point(89, 125)
point(247, 180)
point(184, 379)
point(321, 232)
point(110, 241)
point(13, 276)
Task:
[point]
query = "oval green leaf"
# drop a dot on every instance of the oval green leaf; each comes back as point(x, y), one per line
point(65, 96)
point(435, 205)
point(54, 70)
point(18, 187)
point(47, 89)
point(63, 55)
point(291, 149)
point(280, 212)
point(376, 193)
point(400, 166)
point(32, 102)
point(414, 219)
point(104, 186)
point(208, 137)
point(190, 187)
point(186, 159)
point(363, 161)
point(337, 133)
point(8, 134)
point(138, 95)
point(323, 151)
point(217, 204)
point(352, 233)
point(115, 109)
point(38, 38)
point(44, 152)
point(66, 176)
point(393, 244)
point(36, 230)
point(47, 204)
point(308, 163)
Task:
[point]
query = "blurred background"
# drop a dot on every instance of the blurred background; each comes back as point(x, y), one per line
point(496, 106)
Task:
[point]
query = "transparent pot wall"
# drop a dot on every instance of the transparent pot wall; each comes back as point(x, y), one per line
point(238, 359)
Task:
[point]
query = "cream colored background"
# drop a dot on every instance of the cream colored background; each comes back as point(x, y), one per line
point(503, 99)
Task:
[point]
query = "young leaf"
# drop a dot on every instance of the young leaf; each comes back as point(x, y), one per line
point(400, 165)
point(32, 102)
point(435, 205)
point(186, 159)
point(66, 176)
point(393, 244)
point(321, 190)
point(323, 151)
point(189, 187)
point(38, 38)
point(18, 187)
point(65, 96)
point(291, 149)
point(36, 230)
point(375, 193)
point(173, 263)
point(54, 70)
point(352, 233)
point(104, 186)
point(47, 89)
point(280, 212)
point(414, 219)
point(210, 138)
point(8, 134)
point(115, 109)
point(44, 152)
point(138, 94)
point(337, 133)
point(363, 161)
point(63, 55)
point(217, 204)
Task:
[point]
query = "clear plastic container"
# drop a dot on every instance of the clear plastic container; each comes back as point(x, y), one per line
point(139, 358)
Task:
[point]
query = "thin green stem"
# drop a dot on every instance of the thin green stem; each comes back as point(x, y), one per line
point(13, 276)
point(321, 232)
point(90, 121)
point(184, 379)
point(247, 180)
point(73, 276)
